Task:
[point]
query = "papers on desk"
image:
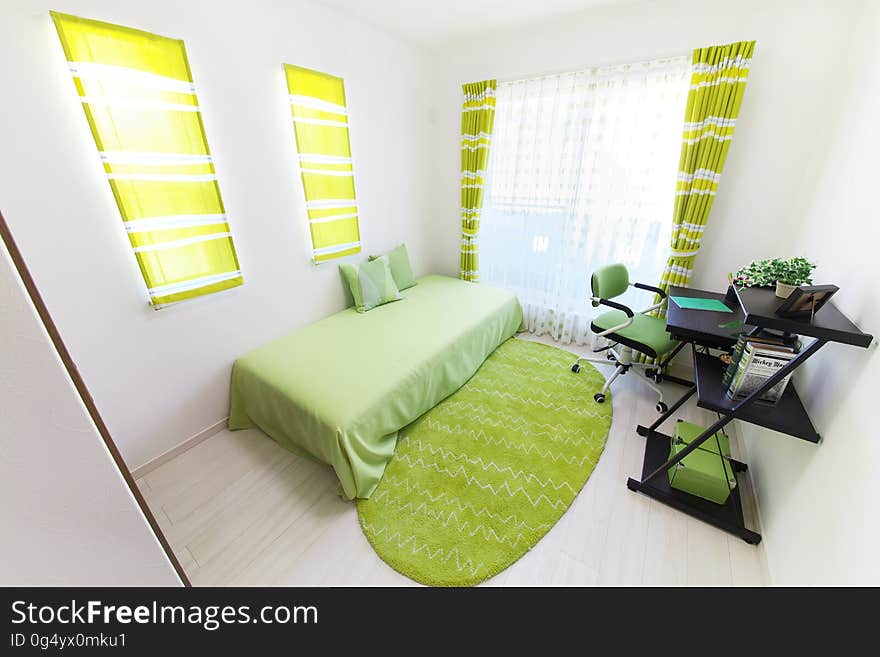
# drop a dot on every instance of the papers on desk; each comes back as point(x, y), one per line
point(699, 303)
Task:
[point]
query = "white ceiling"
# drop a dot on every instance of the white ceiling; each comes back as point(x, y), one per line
point(431, 22)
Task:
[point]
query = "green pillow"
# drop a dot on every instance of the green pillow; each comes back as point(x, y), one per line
point(371, 283)
point(400, 268)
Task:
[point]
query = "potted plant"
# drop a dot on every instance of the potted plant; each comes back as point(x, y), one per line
point(799, 271)
point(785, 274)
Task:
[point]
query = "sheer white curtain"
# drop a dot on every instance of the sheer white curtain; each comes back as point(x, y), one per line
point(582, 173)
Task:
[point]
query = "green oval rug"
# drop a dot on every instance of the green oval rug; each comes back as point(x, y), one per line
point(478, 480)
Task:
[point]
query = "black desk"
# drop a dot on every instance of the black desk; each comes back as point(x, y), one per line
point(718, 330)
point(753, 309)
point(706, 328)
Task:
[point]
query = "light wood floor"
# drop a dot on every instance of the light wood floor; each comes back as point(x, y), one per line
point(240, 510)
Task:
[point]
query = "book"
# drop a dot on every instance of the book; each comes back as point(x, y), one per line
point(760, 361)
point(735, 355)
point(737, 351)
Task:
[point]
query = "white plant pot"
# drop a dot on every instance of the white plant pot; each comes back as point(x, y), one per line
point(784, 290)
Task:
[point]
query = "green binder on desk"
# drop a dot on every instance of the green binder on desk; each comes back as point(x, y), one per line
point(701, 303)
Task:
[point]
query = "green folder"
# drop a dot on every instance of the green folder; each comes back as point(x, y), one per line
point(699, 303)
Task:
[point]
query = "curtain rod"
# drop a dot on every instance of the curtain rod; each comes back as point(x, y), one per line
point(578, 69)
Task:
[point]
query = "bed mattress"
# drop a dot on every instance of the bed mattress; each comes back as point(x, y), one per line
point(339, 390)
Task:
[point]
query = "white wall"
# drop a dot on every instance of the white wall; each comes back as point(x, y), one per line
point(68, 518)
point(159, 377)
point(818, 504)
point(779, 129)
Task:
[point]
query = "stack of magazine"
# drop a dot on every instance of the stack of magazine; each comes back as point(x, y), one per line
point(754, 360)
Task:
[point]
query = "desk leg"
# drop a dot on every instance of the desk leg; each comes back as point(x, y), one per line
point(677, 380)
point(644, 431)
point(661, 367)
point(692, 388)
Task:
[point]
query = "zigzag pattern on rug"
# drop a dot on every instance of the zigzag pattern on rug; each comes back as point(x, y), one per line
point(478, 480)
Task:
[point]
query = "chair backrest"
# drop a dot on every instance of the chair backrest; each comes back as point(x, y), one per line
point(610, 281)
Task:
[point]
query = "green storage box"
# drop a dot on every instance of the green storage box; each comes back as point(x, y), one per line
point(702, 472)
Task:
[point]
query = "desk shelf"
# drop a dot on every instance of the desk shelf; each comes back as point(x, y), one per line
point(788, 416)
point(727, 516)
point(829, 325)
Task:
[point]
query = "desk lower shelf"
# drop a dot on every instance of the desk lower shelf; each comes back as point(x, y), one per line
point(728, 516)
point(788, 416)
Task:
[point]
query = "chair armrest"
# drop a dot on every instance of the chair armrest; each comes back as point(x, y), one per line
point(613, 304)
point(617, 306)
point(650, 288)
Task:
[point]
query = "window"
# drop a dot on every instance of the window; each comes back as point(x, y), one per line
point(320, 121)
point(581, 174)
point(140, 102)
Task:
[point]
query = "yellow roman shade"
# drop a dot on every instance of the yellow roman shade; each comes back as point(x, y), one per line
point(138, 96)
point(320, 122)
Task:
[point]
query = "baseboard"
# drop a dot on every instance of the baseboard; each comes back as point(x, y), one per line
point(746, 456)
point(179, 449)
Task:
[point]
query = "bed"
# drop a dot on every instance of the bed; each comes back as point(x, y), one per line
point(339, 390)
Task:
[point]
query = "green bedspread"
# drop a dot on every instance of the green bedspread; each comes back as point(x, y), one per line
point(340, 389)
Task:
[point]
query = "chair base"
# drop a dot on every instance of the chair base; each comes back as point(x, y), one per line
point(623, 360)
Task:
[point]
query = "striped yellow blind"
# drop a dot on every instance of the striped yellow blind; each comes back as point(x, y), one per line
point(138, 96)
point(320, 121)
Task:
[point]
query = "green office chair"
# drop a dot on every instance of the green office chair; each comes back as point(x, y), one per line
point(628, 331)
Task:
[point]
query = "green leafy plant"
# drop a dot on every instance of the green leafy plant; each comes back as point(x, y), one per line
point(797, 271)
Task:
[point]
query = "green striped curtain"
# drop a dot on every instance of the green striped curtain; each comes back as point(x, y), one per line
point(138, 96)
point(477, 119)
point(320, 121)
point(718, 81)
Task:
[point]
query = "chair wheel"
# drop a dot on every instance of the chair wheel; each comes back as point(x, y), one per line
point(658, 377)
point(576, 368)
point(599, 397)
point(609, 356)
point(661, 407)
